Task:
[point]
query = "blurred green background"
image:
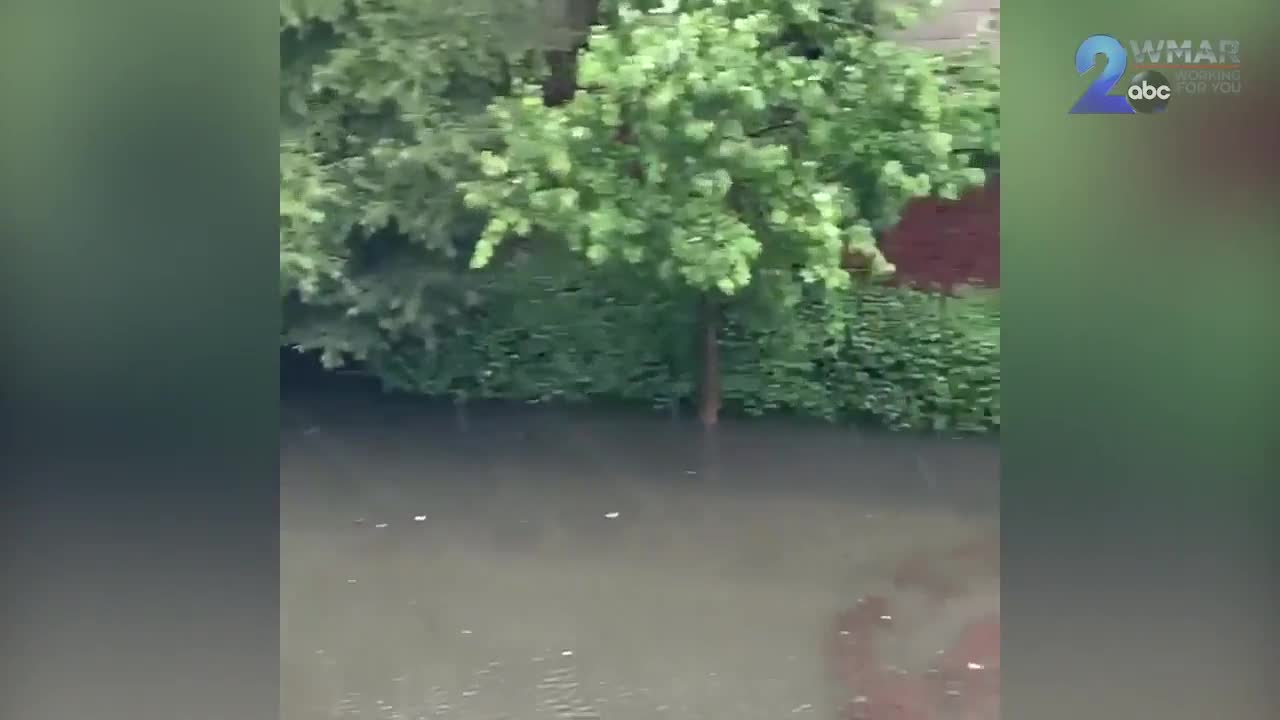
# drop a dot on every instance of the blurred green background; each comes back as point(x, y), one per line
point(1140, 355)
point(1141, 284)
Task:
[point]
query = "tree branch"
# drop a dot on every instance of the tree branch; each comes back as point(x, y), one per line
point(770, 128)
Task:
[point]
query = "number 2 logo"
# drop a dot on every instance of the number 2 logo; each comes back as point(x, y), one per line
point(1097, 99)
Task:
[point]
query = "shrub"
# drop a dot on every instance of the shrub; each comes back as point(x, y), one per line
point(901, 358)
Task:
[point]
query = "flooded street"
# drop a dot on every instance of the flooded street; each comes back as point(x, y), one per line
point(538, 562)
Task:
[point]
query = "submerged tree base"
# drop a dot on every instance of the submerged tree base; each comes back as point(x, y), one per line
point(711, 395)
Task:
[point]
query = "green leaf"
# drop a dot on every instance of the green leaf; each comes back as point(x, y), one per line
point(492, 165)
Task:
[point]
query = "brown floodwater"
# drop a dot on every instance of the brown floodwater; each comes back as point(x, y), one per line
point(537, 562)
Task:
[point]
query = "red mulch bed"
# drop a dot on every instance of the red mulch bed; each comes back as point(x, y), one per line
point(962, 682)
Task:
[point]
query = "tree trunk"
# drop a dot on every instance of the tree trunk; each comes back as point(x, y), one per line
point(709, 404)
point(460, 418)
point(561, 83)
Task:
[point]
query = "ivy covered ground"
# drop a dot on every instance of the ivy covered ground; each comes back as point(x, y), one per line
point(659, 201)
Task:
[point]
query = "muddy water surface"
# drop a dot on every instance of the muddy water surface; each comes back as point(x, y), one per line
point(546, 563)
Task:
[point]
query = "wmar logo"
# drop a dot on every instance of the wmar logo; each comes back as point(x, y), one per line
point(1148, 92)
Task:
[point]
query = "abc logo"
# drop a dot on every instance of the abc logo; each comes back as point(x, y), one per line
point(1149, 92)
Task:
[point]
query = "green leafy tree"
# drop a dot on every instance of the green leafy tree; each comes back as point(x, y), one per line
point(383, 107)
point(738, 148)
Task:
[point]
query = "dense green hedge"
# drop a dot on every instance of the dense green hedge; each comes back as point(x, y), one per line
point(904, 359)
point(540, 334)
